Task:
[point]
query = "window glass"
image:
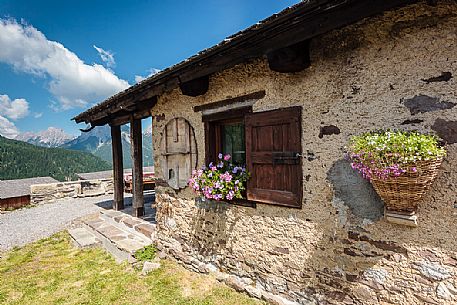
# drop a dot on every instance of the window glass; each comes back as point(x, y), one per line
point(233, 142)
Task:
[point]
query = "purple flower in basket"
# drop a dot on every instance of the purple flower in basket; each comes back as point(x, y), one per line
point(227, 157)
point(230, 195)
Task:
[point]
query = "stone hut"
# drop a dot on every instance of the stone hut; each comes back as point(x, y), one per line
point(308, 78)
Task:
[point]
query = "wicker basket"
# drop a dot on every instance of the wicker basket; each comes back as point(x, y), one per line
point(402, 194)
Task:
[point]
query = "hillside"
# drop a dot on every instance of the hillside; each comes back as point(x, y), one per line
point(22, 160)
point(98, 142)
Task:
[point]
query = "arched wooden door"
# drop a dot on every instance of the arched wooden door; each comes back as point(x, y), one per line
point(178, 152)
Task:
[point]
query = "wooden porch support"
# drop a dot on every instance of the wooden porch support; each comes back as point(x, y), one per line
point(118, 168)
point(137, 166)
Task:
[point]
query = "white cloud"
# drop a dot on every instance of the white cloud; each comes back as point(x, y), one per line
point(106, 56)
point(38, 115)
point(7, 128)
point(72, 82)
point(13, 109)
point(152, 71)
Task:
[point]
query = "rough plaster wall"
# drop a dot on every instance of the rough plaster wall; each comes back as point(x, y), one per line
point(335, 247)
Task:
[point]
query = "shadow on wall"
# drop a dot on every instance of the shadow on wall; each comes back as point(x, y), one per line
point(355, 192)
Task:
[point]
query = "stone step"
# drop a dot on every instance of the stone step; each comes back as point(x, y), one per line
point(145, 228)
point(117, 239)
point(83, 238)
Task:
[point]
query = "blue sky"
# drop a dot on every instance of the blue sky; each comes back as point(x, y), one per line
point(51, 65)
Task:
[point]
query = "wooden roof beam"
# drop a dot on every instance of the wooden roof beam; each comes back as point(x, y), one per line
point(195, 87)
point(294, 58)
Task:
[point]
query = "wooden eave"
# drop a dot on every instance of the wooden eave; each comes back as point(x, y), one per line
point(297, 23)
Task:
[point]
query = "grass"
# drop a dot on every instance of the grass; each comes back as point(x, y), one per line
point(145, 254)
point(52, 271)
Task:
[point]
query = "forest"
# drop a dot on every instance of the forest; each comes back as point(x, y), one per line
point(22, 160)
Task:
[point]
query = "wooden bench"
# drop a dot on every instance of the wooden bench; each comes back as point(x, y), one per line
point(149, 182)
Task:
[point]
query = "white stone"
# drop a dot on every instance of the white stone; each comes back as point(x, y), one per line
point(443, 292)
point(149, 266)
point(432, 271)
point(221, 276)
point(253, 292)
point(171, 223)
point(211, 268)
point(378, 276)
point(451, 288)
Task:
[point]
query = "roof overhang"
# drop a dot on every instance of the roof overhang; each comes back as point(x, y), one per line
point(295, 24)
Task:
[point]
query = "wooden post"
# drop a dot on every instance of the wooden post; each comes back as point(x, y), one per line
point(118, 168)
point(137, 166)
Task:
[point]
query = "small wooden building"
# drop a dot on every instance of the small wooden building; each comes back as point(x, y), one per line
point(16, 193)
point(294, 88)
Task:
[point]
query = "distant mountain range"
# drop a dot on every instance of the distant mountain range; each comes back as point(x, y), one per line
point(97, 141)
point(23, 160)
point(51, 137)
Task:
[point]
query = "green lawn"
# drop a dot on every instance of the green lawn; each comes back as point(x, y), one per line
point(52, 271)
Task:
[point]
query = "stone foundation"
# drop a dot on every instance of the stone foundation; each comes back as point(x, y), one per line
point(42, 193)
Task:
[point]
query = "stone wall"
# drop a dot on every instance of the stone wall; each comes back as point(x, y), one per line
point(390, 71)
point(42, 193)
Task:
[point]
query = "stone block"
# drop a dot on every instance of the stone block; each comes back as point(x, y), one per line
point(253, 292)
point(146, 229)
point(401, 219)
point(149, 266)
point(276, 299)
point(130, 222)
point(443, 292)
point(432, 271)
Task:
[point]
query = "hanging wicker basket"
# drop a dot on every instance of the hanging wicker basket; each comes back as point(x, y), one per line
point(402, 194)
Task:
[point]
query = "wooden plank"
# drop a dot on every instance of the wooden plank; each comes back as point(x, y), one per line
point(118, 168)
point(136, 151)
point(225, 115)
point(251, 96)
point(124, 119)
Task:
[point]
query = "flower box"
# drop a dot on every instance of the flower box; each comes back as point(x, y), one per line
point(220, 181)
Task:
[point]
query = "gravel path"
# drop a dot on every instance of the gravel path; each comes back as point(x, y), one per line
point(26, 225)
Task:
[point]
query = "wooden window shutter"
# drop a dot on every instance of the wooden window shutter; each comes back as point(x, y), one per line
point(273, 156)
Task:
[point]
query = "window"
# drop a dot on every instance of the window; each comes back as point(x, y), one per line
point(225, 133)
point(233, 141)
point(269, 143)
